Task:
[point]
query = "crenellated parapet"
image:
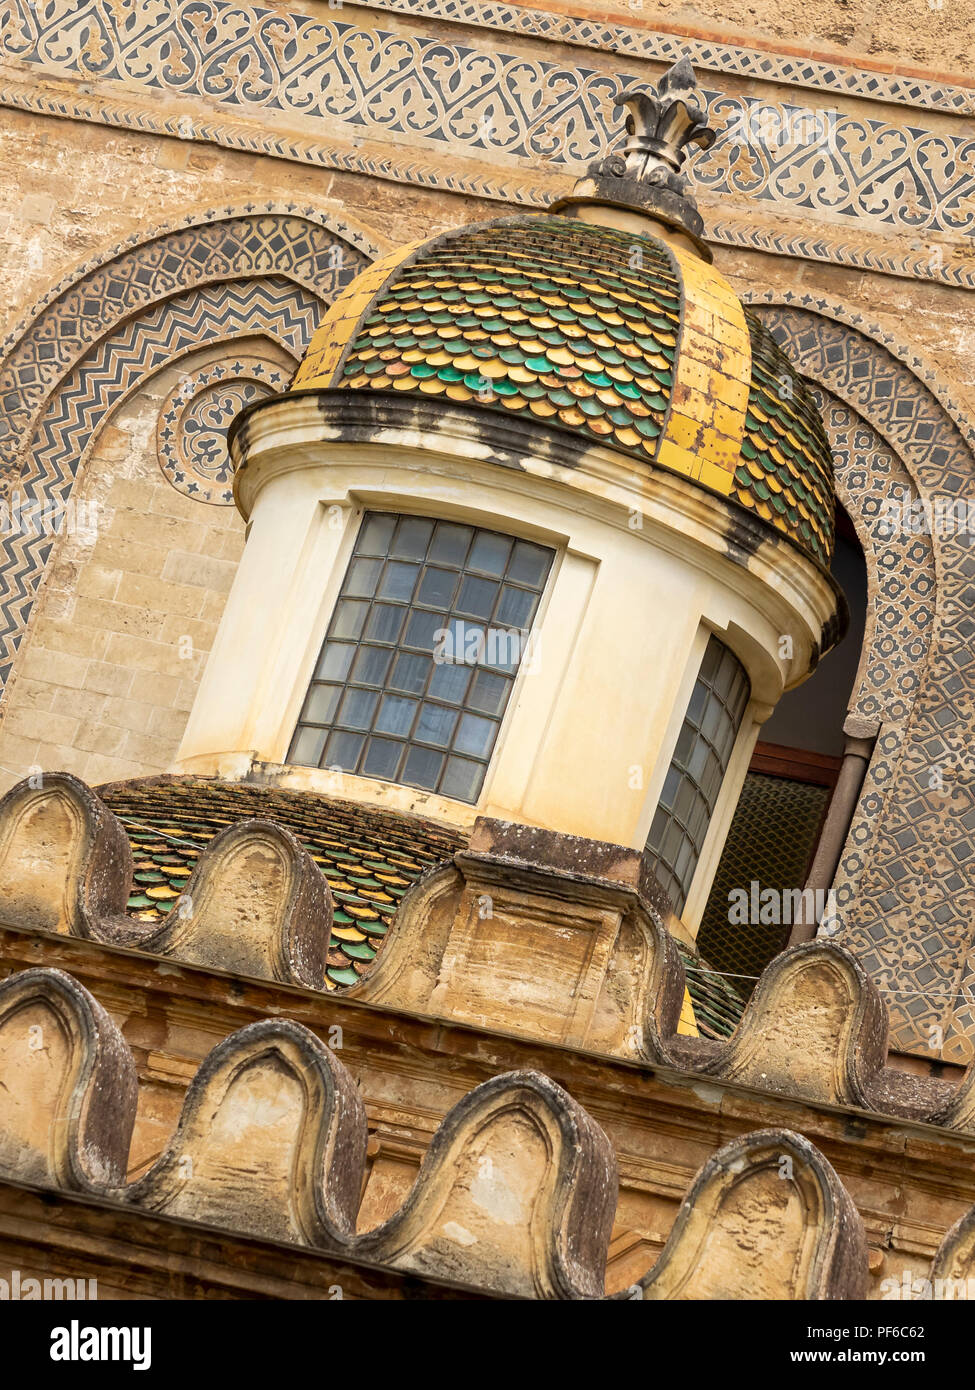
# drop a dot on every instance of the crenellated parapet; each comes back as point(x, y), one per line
point(254, 905)
point(271, 1141)
point(515, 1198)
point(65, 861)
point(815, 1027)
point(68, 1098)
point(517, 1193)
point(522, 932)
point(808, 1243)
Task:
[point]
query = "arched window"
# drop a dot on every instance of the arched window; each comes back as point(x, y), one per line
point(700, 761)
point(431, 625)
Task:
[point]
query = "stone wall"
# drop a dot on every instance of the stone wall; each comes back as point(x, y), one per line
point(157, 216)
point(130, 606)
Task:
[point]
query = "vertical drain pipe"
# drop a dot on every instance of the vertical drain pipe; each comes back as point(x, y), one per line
point(857, 752)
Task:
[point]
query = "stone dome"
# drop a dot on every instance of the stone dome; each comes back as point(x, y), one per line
point(621, 338)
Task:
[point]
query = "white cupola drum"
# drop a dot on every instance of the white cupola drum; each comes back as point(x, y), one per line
point(540, 531)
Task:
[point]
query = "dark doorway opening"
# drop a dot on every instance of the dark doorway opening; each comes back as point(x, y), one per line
point(786, 794)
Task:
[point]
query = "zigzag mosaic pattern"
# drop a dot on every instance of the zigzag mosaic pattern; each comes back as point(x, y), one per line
point(410, 85)
point(257, 243)
point(305, 263)
point(298, 262)
point(906, 883)
point(112, 371)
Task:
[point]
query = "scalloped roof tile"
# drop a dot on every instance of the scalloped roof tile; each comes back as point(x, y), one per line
point(369, 856)
point(582, 327)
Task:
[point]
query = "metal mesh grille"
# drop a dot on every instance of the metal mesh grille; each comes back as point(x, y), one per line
point(696, 772)
point(717, 1004)
point(771, 841)
point(417, 666)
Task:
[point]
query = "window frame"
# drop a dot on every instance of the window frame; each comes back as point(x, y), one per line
point(681, 777)
point(463, 571)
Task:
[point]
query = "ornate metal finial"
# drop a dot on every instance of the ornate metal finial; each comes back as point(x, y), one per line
point(646, 174)
point(661, 124)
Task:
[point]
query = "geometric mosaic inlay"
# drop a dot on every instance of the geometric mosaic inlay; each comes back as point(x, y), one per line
point(191, 436)
point(906, 880)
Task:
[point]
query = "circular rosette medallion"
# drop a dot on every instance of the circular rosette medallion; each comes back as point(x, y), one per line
point(191, 435)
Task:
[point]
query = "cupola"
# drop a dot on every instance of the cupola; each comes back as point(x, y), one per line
point(540, 531)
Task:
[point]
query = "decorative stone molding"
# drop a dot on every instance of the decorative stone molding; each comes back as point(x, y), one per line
point(271, 1141)
point(870, 251)
point(815, 1027)
point(65, 860)
point(516, 1195)
point(256, 905)
point(540, 935)
point(68, 1098)
point(765, 1218)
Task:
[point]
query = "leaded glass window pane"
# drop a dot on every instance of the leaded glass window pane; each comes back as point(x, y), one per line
point(421, 654)
point(701, 756)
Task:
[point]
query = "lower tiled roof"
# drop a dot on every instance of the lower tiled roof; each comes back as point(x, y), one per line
point(369, 856)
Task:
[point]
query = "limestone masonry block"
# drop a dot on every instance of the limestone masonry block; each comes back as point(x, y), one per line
point(765, 1218)
point(68, 1092)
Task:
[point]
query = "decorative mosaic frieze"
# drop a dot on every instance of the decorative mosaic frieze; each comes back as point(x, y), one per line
point(732, 59)
point(869, 475)
point(497, 105)
point(941, 264)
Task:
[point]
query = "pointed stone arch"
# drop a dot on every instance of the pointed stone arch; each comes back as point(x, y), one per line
point(906, 881)
point(96, 336)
